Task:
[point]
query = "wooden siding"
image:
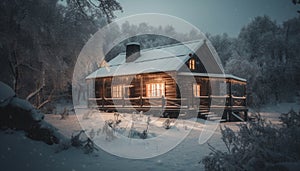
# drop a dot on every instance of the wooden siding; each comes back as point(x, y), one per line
point(176, 95)
point(166, 78)
point(227, 94)
point(136, 82)
point(199, 67)
point(205, 62)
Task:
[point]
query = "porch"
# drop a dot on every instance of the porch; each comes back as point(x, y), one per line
point(207, 106)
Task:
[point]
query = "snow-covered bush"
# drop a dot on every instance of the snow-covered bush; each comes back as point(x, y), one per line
point(144, 134)
point(98, 131)
point(167, 124)
point(259, 146)
point(291, 119)
point(75, 139)
point(86, 144)
point(64, 114)
point(89, 146)
point(134, 117)
point(116, 117)
point(108, 129)
point(19, 114)
point(92, 134)
point(133, 133)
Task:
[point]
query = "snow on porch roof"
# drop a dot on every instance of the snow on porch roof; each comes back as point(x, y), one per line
point(212, 75)
point(158, 59)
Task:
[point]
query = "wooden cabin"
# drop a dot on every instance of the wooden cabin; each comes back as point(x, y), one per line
point(172, 80)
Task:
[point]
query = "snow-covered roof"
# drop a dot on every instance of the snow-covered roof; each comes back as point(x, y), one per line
point(159, 59)
point(212, 75)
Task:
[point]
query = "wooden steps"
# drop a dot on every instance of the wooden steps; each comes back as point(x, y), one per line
point(212, 116)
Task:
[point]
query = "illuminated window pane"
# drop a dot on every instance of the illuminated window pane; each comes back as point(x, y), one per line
point(196, 90)
point(117, 91)
point(155, 89)
point(192, 65)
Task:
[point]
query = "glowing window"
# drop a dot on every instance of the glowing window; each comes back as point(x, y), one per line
point(192, 65)
point(196, 90)
point(155, 90)
point(117, 91)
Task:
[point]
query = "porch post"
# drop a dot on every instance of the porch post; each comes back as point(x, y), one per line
point(88, 92)
point(103, 91)
point(230, 94)
point(245, 94)
point(192, 96)
point(123, 94)
point(141, 90)
point(246, 115)
point(230, 101)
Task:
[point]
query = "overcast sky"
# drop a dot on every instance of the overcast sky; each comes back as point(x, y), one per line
point(214, 16)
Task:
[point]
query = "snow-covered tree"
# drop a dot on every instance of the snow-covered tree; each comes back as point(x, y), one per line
point(223, 45)
point(259, 146)
point(40, 41)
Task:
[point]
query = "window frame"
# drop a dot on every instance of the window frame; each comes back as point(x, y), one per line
point(117, 91)
point(155, 89)
point(192, 64)
point(197, 90)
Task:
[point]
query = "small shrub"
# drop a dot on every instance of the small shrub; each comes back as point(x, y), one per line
point(133, 116)
point(92, 134)
point(167, 124)
point(98, 131)
point(64, 114)
point(116, 117)
point(144, 134)
point(76, 141)
point(291, 119)
point(133, 133)
point(141, 114)
point(108, 130)
point(258, 146)
point(89, 146)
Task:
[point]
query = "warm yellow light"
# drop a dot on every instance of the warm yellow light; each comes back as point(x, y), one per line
point(192, 65)
point(155, 89)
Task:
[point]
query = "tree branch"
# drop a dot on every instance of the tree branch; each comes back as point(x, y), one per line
point(46, 101)
point(35, 92)
point(92, 3)
point(42, 104)
point(29, 66)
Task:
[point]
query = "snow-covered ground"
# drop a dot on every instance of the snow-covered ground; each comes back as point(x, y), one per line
point(185, 156)
point(17, 152)
point(273, 112)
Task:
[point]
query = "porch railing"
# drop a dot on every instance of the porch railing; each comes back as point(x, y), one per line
point(200, 102)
